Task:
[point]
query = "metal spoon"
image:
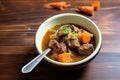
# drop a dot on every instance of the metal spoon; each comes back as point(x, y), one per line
point(33, 63)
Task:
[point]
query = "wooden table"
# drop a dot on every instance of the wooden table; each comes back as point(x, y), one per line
point(19, 20)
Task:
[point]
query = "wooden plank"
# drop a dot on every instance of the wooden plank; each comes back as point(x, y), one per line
point(96, 70)
point(10, 50)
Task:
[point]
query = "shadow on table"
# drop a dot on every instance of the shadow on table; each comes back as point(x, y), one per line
point(45, 72)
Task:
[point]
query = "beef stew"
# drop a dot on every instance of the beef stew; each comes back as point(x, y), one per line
point(69, 43)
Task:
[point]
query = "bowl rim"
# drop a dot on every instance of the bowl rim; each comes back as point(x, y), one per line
point(92, 55)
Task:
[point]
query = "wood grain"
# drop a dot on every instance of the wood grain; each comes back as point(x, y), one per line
point(103, 67)
point(19, 20)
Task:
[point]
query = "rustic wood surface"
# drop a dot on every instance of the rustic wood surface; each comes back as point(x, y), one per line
point(19, 20)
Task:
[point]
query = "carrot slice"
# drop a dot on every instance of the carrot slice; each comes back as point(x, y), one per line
point(86, 9)
point(59, 5)
point(64, 58)
point(85, 37)
point(96, 5)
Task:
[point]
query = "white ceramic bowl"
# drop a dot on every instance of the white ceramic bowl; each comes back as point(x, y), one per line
point(69, 18)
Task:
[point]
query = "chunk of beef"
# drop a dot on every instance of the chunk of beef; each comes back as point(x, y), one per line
point(86, 49)
point(74, 43)
point(74, 28)
point(64, 30)
point(63, 47)
point(61, 33)
point(54, 44)
point(57, 47)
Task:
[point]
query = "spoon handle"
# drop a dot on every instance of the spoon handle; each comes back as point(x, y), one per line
point(33, 63)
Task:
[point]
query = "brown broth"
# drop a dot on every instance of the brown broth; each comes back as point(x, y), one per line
point(45, 39)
